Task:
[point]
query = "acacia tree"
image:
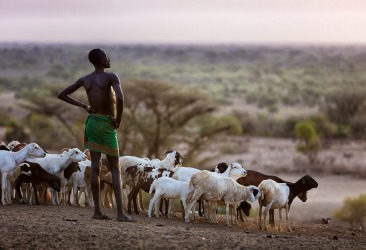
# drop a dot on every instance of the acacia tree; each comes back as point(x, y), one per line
point(43, 101)
point(160, 115)
point(157, 116)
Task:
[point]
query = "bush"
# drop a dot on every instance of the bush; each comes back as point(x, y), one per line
point(16, 132)
point(353, 211)
point(305, 131)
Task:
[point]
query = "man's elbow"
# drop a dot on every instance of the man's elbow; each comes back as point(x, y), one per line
point(61, 96)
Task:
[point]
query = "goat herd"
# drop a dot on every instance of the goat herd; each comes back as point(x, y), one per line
point(27, 171)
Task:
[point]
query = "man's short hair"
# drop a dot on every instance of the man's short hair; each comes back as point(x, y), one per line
point(94, 56)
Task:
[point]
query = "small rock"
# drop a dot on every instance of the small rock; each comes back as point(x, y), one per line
point(187, 228)
point(159, 225)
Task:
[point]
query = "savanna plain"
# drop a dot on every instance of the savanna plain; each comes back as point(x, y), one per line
point(259, 95)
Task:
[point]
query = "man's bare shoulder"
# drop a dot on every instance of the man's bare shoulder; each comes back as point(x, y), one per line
point(111, 74)
point(113, 77)
point(87, 77)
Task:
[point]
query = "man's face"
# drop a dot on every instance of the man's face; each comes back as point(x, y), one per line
point(105, 60)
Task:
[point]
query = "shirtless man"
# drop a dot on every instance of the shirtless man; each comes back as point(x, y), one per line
point(100, 134)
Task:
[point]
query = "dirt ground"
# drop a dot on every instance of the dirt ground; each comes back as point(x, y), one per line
point(66, 227)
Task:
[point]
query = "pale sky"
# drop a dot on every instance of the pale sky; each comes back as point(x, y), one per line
point(184, 21)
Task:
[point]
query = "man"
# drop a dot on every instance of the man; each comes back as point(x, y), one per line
point(100, 135)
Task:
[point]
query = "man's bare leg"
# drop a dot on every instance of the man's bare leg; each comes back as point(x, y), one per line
point(117, 187)
point(95, 186)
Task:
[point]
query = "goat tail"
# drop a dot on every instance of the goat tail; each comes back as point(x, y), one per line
point(152, 187)
point(263, 194)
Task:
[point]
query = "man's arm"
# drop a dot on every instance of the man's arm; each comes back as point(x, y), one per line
point(64, 95)
point(119, 99)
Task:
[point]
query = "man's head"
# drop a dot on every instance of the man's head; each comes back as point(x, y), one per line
point(99, 57)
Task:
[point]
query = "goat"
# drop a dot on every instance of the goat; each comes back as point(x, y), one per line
point(57, 164)
point(38, 176)
point(280, 195)
point(234, 171)
point(215, 187)
point(106, 189)
point(77, 180)
point(22, 168)
point(10, 160)
point(171, 189)
point(255, 178)
point(12, 145)
point(147, 175)
point(171, 160)
point(19, 147)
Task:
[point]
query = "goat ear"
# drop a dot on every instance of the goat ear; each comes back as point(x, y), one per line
point(303, 180)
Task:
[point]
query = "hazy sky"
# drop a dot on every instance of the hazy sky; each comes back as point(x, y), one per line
point(184, 21)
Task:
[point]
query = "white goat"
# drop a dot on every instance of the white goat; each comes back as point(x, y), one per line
point(56, 165)
point(215, 187)
point(233, 170)
point(13, 144)
point(22, 168)
point(166, 187)
point(274, 195)
point(77, 180)
point(10, 160)
point(172, 159)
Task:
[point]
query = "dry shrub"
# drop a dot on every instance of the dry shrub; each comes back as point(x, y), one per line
point(353, 211)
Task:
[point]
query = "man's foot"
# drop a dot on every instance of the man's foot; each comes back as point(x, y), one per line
point(101, 217)
point(125, 218)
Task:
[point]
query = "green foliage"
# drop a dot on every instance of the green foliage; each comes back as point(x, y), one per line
point(347, 109)
point(214, 124)
point(310, 145)
point(246, 121)
point(341, 106)
point(159, 114)
point(58, 71)
point(3, 118)
point(16, 132)
point(323, 126)
point(42, 130)
point(269, 77)
point(353, 211)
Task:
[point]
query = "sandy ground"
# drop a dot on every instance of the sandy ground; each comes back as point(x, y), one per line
point(65, 227)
